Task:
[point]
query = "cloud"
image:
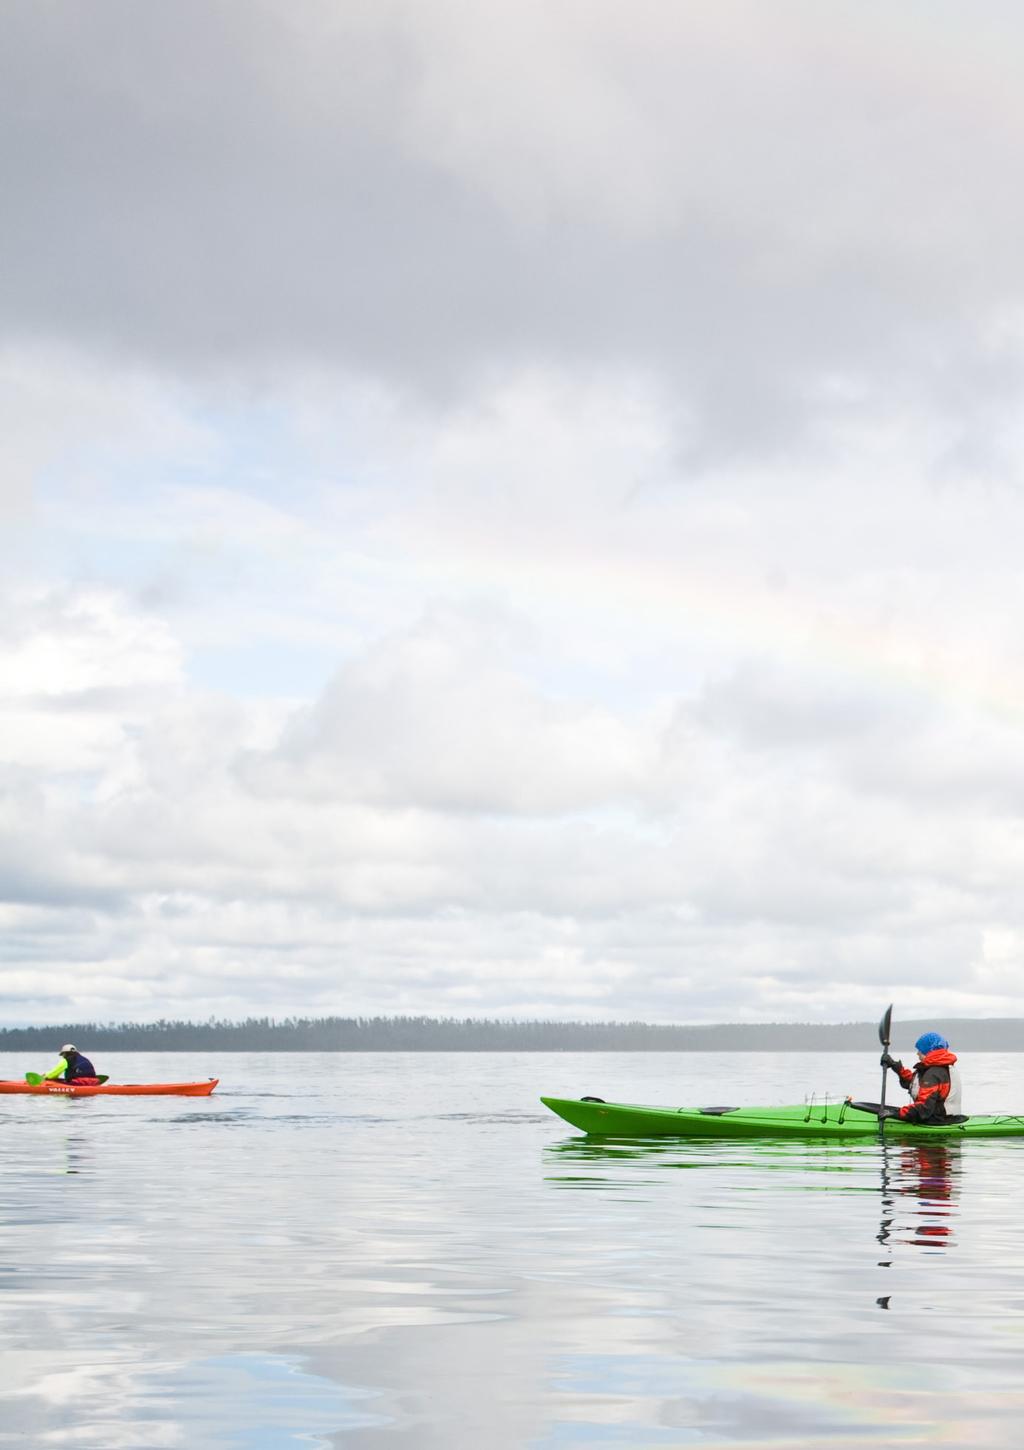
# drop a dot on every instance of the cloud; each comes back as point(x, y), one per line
point(509, 510)
point(777, 216)
point(439, 720)
point(422, 837)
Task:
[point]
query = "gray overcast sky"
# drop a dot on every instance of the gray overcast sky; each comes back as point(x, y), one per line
point(511, 509)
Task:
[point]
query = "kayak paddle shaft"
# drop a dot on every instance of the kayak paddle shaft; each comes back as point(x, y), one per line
point(884, 1035)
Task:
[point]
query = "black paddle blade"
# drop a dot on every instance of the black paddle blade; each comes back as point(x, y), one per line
point(884, 1026)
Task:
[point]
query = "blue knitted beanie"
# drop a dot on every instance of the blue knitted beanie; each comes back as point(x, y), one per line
point(929, 1041)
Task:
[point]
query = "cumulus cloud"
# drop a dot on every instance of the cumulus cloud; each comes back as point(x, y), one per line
point(353, 859)
point(441, 719)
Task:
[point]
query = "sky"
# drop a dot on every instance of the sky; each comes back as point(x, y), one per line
point(511, 509)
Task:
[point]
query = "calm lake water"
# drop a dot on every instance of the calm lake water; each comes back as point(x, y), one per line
point(408, 1250)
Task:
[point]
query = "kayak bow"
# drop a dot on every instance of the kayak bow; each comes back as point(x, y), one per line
point(801, 1120)
point(113, 1089)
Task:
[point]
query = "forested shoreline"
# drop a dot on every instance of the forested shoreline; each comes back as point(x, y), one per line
point(453, 1034)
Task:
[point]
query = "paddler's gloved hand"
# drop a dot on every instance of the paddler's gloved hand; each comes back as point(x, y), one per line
point(887, 1061)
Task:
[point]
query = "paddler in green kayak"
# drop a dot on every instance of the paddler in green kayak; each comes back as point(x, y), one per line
point(933, 1082)
point(73, 1066)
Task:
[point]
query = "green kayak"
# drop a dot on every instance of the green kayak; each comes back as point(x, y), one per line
point(802, 1120)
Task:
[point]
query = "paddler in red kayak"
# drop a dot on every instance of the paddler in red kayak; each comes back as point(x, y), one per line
point(72, 1067)
point(933, 1082)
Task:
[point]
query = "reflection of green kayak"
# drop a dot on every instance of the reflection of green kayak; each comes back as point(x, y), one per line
point(804, 1120)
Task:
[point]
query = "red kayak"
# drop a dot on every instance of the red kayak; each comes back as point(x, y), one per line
point(113, 1089)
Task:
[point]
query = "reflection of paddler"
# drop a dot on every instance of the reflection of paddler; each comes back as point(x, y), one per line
point(75, 1155)
point(927, 1171)
point(922, 1171)
point(933, 1163)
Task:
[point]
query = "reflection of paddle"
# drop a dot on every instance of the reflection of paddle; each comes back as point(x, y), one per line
point(35, 1078)
point(884, 1032)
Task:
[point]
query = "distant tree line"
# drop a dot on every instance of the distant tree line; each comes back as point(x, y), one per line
point(474, 1034)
